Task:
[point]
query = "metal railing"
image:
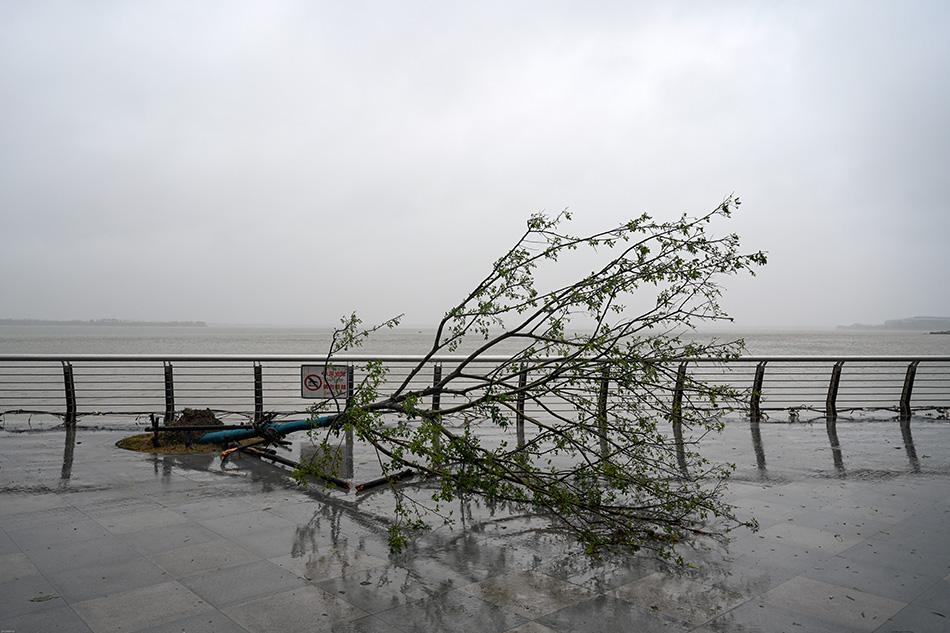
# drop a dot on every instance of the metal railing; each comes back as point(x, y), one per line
point(70, 386)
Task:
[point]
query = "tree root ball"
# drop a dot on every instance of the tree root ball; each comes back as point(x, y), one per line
point(176, 443)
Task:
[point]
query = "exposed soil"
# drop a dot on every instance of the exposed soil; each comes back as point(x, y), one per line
point(176, 443)
point(143, 444)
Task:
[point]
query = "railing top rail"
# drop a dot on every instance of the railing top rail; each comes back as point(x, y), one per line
point(415, 358)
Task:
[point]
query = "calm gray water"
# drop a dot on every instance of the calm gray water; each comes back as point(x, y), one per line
point(273, 340)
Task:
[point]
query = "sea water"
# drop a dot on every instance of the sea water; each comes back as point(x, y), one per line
point(79, 339)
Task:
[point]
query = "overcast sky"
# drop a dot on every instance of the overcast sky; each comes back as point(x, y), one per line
point(288, 162)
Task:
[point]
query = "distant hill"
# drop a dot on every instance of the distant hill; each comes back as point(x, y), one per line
point(914, 324)
point(110, 322)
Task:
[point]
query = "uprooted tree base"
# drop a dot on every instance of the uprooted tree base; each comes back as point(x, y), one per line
point(176, 442)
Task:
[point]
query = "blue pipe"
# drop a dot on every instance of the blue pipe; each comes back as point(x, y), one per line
point(281, 428)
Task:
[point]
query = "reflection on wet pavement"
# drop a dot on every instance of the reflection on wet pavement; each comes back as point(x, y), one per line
point(93, 538)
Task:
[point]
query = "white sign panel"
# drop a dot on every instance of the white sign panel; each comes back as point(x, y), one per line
point(323, 381)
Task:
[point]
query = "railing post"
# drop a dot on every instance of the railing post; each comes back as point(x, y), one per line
point(602, 412)
point(348, 464)
point(755, 410)
point(831, 406)
point(908, 390)
point(169, 394)
point(258, 393)
point(70, 391)
point(519, 405)
point(436, 397)
point(677, 417)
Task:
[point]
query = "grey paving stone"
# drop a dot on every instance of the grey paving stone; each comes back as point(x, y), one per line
point(83, 583)
point(59, 619)
point(767, 511)
point(913, 619)
point(28, 519)
point(466, 551)
point(443, 574)
point(15, 504)
point(927, 525)
point(607, 614)
point(366, 624)
point(133, 522)
point(549, 546)
point(899, 585)
point(117, 505)
point(16, 566)
point(70, 555)
point(27, 595)
point(139, 608)
point(909, 513)
point(680, 598)
point(42, 536)
point(316, 567)
point(205, 622)
point(300, 610)
point(809, 537)
point(840, 606)
point(528, 594)
point(782, 560)
point(504, 555)
point(381, 588)
point(599, 576)
point(901, 556)
point(755, 616)
point(531, 627)
point(168, 537)
point(247, 522)
point(452, 612)
point(298, 511)
point(243, 582)
point(936, 598)
point(267, 543)
point(202, 557)
point(7, 546)
point(212, 507)
point(848, 523)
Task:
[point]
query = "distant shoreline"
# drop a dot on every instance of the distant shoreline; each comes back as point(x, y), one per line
point(104, 322)
point(918, 323)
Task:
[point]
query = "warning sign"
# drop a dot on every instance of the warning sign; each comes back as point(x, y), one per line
point(324, 381)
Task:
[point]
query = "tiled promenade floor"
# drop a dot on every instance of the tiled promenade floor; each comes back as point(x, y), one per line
point(851, 539)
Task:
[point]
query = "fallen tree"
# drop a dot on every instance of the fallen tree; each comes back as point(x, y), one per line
point(589, 368)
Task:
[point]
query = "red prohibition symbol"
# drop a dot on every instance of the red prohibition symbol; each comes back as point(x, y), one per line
point(313, 382)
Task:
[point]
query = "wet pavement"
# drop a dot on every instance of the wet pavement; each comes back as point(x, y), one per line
point(855, 536)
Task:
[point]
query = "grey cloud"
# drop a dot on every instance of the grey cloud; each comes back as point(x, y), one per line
point(287, 162)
